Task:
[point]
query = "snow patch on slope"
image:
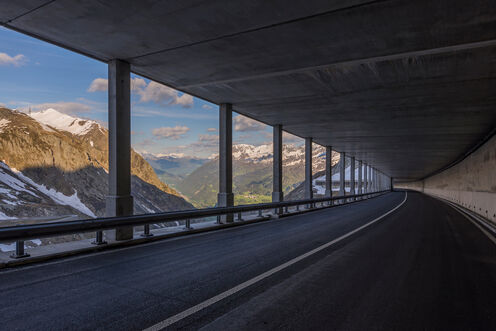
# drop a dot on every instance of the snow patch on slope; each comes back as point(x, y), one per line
point(58, 197)
point(3, 124)
point(60, 121)
point(12, 182)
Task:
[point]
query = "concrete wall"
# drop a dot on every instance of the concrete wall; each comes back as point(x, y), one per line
point(470, 183)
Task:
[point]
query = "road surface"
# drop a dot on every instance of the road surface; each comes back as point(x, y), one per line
point(422, 266)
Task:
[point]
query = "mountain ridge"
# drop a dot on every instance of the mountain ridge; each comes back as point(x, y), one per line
point(252, 174)
point(72, 160)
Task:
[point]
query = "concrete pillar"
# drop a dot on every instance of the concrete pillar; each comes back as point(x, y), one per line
point(328, 172)
point(365, 178)
point(308, 169)
point(342, 179)
point(277, 194)
point(225, 197)
point(360, 183)
point(374, 182)
point(377, 180)
point(119, 201)
point(352, 176)
point(369, 184)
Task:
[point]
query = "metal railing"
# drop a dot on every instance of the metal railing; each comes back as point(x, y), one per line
point(20, 233)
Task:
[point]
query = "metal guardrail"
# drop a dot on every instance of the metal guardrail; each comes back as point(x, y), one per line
point(20, 233)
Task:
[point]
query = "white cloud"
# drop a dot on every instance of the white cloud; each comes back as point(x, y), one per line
point(162, 94)
point(101, 84)
point(137, 84)
point(244, 124)
point(211, 130)
point(70, 108)
point(145, 112)
point(98, 85)
point(16, 61)
point(205, 106)
point(208, 138)
point(205, 143)
point(185, 100)
point(153, 91)
point(173, 133)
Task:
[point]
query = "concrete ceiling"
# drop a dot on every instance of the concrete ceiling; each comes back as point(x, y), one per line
point(406, 86)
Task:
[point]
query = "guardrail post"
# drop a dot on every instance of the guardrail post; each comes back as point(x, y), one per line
point(239, 217)
point(19, 252)
point(260, 213)
point(187, 225)
point(99, 239)
point(286, 210)
point(146, 233)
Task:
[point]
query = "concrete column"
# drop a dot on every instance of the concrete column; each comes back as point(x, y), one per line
point(342, 181)
point(225, 197)
point(374, 182)
point(308, 169)
point(119, 201)
point(277, 194)
point(365, 178)
point(369, 184)
point(379, 180)
point(360, 183)
point(328, 172)
point(352, 175)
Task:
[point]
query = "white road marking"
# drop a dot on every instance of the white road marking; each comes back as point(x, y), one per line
point(470, 218)
point(188, 312)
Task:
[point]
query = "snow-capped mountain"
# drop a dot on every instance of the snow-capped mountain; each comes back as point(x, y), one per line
point(292, 154)
point(75, 125)
point(319, 179)
point(55, 164)
point(252, 173)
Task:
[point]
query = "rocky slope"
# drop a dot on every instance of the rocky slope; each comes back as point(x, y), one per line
point(56, 155)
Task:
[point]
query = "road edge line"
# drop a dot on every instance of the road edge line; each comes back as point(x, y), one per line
point(202, 305)
point(471, 218)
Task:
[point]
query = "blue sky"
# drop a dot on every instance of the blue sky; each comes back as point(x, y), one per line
point(40, 75)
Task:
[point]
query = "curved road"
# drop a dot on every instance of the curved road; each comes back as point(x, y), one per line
point(422, 266)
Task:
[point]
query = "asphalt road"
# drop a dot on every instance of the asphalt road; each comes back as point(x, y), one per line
point(422, 267)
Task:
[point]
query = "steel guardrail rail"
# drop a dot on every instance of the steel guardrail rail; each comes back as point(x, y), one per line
point(41, 230)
